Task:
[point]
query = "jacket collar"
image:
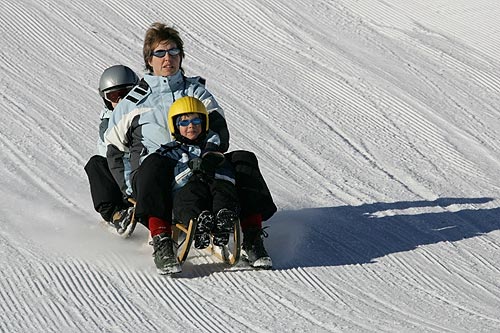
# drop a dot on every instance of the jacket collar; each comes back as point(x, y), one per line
point(165, 83)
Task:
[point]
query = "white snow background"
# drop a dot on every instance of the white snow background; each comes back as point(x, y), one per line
point(377, 127)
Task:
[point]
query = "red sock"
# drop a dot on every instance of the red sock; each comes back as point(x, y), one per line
point(254, 220)
point(158, 226)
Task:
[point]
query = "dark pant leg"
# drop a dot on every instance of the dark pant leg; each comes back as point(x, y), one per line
point(191, 199)
point(152, 186)
point(224, 196)
point(253, 193)
point(106, 194)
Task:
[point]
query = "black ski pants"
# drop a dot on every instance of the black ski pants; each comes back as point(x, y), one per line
point(106, 195)
point(152, 186)
point(253, 194)
point(201, 194)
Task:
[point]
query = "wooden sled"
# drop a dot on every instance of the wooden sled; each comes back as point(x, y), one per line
point(184, 236)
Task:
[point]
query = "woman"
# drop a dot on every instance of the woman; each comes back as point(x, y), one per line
point(139, 126)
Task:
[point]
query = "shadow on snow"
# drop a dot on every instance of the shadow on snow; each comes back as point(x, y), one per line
point(358, 234)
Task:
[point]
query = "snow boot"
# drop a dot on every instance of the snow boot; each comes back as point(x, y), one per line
point(253, 249)
point(122, 221)
point(204, 224)
point(223, 226)
point(165, 254)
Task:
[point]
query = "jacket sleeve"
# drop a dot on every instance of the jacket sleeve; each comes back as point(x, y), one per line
point(117, 153)
point(103, 126)
point(117, 163)
point(211, 143)
point(101, 146)
point(217, 121)
point(218, 124)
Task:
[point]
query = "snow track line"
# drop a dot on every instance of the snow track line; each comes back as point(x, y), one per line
point(225, 313)
point(408, 12)
point(307, 278)
point(275, 300)
point(374, 301)
point(74, 286)
point(415, 276)
point(328, 290)
point(30, 173)
point(198, 315)
point(21, 308)
point(462, 308)
point(483, 261)
point(438, 287)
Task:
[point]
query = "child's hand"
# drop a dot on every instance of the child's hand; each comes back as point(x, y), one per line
point(195, 165)
point(211, 160)
point(207, 163)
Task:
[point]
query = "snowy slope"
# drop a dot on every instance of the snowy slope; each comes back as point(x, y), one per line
point(376, 124)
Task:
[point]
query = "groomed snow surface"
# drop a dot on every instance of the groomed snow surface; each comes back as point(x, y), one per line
point(377, 127)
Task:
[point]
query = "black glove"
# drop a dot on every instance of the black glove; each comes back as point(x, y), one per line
point(211, 160)
point(207, 163)
point(195, 165)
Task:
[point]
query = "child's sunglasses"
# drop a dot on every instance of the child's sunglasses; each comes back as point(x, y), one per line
point(186, 122)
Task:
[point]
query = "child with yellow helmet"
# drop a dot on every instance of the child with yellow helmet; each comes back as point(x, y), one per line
point(204, 186)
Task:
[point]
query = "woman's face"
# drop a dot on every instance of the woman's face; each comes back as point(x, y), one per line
point(167, 65)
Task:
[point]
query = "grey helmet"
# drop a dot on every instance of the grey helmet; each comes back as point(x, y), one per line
point(114, 78)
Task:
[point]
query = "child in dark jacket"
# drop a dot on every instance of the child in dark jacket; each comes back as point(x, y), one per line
point(203, 189)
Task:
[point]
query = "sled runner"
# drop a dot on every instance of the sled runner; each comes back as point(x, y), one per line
point(184, 235)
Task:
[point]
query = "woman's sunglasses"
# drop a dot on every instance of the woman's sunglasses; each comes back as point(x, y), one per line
point(161, 53)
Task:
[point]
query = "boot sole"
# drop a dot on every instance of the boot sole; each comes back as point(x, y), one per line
point(169, 270)
point(261, 263)
point(128, 231)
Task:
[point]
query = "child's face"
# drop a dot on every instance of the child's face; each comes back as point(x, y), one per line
point(190, 131)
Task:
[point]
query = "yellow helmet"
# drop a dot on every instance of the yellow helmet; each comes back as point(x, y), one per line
point(183, 105)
